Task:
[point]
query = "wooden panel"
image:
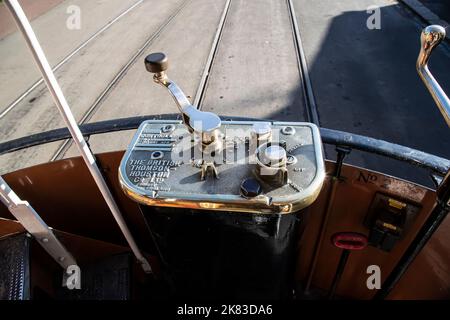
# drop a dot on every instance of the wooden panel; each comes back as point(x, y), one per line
point(428, 277)
point(9, 227)
point(353, 198)
point(64, 194)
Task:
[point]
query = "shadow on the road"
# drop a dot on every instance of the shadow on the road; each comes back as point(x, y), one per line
point(439, 7)
point(365, 82)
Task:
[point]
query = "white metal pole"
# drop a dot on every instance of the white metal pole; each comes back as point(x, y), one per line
point(39, 57)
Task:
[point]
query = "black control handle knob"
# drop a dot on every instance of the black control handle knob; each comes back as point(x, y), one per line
point(156, 62)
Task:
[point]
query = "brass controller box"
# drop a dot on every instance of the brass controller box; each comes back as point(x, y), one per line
point(256, 167)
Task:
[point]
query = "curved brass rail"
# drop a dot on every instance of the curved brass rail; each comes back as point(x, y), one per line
point(431, 37)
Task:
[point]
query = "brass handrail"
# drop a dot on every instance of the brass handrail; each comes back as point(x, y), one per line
point(431, 37)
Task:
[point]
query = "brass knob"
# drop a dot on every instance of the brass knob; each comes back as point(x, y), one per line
point(156, 62)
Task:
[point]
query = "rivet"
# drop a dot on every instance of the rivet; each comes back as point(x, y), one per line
point(156, 155)
point(288, 131)
point(168, 128)
point(291, 160)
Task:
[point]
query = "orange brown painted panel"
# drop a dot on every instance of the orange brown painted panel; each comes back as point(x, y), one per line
point(428, 277)
point(353, 198)
point(66, 197)
point(64, 194)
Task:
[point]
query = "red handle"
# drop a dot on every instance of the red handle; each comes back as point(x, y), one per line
point(349, 240)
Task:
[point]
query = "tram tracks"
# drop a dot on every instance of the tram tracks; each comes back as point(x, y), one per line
point(66, 59)
point(310, 105)
point(305, 84)
point(310, 101)
point(64, 147)
point(212, 54)
point(95, 107)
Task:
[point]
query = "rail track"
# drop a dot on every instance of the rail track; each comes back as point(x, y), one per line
point(307, 106)
point(110, 86)
point(66, 59)
point(305, 83)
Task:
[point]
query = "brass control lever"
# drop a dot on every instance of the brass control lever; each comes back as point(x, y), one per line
point(431, 37)
point(205, 124)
